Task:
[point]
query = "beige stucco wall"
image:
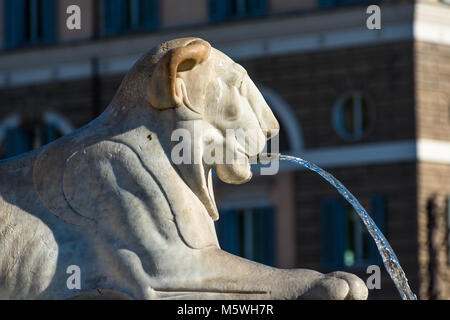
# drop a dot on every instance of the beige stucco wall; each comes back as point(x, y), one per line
point(87, 21)
point(432, 82)
point(173, 12)
point(282, 196)
point(278, 6)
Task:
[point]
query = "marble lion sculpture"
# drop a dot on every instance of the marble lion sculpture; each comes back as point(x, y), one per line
point(108, 198)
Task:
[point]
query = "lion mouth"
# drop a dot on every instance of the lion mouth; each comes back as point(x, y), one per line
point(251, 158)
point(242, 152)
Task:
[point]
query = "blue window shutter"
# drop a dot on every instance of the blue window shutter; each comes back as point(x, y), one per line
point(149, 14)
point(228, 231)
point(218, 9)
point(354, 1)
point(327, 3)
point(114, 11)
point(48, 21)
point(257, 7)
point(14, 23)
point(327, 233)
point(266, 235)
point(377, 208)
point(219, 226)
point(333, 3)
point(334, 232)
point(49, 134)
point(7, 21)
point(10, 143)
point(340, 221)
point(17, 142)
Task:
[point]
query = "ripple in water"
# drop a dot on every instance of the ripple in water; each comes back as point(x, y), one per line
point(389, 258)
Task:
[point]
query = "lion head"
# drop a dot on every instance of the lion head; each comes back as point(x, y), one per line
point(211, 97)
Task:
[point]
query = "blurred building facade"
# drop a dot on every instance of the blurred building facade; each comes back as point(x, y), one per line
point(370, 106)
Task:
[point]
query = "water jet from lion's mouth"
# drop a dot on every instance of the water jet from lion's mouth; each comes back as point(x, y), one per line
point(390, 260)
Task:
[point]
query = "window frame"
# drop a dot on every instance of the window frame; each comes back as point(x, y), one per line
point(137, 22)
point(49, 127)
point(41, 25)
point(359, 132)
point(229, 226)
point(221, 10)
point(338, 3)
point(334, 231)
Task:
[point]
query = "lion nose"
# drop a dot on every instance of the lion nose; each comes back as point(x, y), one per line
point(270, 125)
point(267, 121)
point(273, 128)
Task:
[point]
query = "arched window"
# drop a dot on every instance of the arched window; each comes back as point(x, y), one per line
point(248, 220)
point(290, 137)
point(248, 232)
point(18, 136)
point(123, 16)
point(345, 240)
point(221, 10)
point(353, 116)
point(29, 22)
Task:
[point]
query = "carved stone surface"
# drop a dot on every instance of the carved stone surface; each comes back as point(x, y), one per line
point(109, 199)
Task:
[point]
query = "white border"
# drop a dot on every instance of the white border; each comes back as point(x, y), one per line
point(59, 121)
point(11, 121)
point(323, 30)
point(424, 150)
point(433, 151)
point(276, 35)
point(287, 118)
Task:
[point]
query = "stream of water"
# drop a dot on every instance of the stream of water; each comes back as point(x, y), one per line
point(389, 258)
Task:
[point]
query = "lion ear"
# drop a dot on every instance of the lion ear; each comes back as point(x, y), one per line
point(163, 91)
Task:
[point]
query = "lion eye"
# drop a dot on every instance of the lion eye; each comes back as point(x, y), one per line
point(232, 112)
point(240, 84)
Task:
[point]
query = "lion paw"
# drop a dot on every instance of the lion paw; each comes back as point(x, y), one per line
point(338, 286)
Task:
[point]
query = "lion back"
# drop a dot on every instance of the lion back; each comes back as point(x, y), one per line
point(28, 250)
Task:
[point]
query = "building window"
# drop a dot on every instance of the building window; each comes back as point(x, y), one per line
point(29, 22)
point(283, 142)
point(353, 116)
point(28, 137)
point(335, 3)
point(17, 137)
point(346, 241)
point(221, 10)
point(290, 138)
point(122, 16)
point(248, 233)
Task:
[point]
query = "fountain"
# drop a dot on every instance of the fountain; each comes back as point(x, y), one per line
point(390, 260)
point(114, 201)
